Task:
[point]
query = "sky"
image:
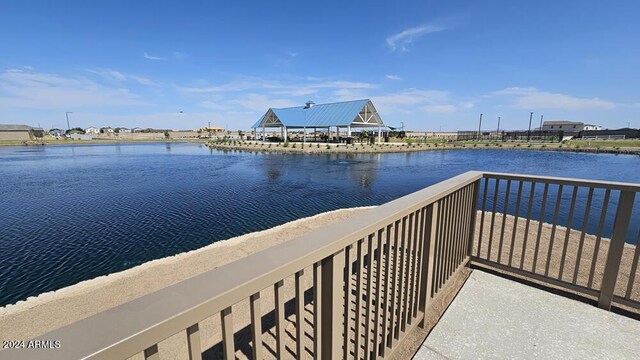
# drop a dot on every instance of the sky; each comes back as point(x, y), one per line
point(432, 65)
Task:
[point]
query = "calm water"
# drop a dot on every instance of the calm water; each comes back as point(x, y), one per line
point(71, 213)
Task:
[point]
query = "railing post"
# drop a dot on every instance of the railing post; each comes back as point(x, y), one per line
point(474, 215)
point(616, 246)
point(428, 260)
point(332, 304)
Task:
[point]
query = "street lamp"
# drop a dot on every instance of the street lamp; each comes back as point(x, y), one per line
point(67, 115)
point(479, 127)
point(529, 132)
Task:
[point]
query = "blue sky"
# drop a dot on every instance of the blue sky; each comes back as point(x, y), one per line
point(430, 64)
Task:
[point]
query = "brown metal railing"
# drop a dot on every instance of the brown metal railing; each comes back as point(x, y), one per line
point(568, 233)
point(368, 281)
point(373, 277)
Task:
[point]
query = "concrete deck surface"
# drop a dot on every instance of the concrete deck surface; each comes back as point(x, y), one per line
point(496, 318)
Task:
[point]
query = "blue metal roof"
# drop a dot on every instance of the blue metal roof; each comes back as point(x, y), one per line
point(320, 115)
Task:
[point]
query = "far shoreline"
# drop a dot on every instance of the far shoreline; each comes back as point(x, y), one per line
point(322, 148)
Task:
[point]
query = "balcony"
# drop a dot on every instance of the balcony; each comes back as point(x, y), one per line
point(375, 285)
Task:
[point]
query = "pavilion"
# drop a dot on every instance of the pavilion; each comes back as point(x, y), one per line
point(345, 115)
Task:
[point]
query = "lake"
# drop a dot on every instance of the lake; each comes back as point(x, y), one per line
point(71, 213)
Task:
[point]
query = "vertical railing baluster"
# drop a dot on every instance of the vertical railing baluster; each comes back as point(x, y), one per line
point(527, 223)
point(428, 260)
point(413, 258)
point(378, 292)
point(540, 222)
point(300, 314)
point(504, 220)
point(358, 314)
point(369, 296)
point(332, 306)
point(567, 234)
point(585, 224)
point(406, 253)
point(616, 247)
point(439, 240)
point(455, 220)
point(394, 290)
point(256, 325)
point(193, 342)
point(634, 268)
point(552, 237)
point(226, 318)
point(348, 289)
point(388, 297)
point(596, 249)
point(493, 218)
point(317, 310)
point(465, 222)
point(516, 215)
point(403, 248)
point(421, 249)
point(278, 290)
point(484, 208)
point(474, 216)
point(407, 273)
point(446, 222)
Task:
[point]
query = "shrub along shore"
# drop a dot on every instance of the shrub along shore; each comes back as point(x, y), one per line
point(298, 147)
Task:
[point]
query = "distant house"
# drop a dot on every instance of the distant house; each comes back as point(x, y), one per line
point(56, 132)
point(15, 132)
point(123, 130)
point(136, 130)
point(92, 130)
point(106, 130)
point(568, 126)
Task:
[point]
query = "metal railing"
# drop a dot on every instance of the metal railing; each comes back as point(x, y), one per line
point(368, 281)
point(569, 233)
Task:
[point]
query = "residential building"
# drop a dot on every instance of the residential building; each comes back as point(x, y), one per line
point(106, 130)
point(15, 132)
point(568, 126)
point(92, 130)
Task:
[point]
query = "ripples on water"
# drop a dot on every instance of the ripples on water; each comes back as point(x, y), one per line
point(71, 213)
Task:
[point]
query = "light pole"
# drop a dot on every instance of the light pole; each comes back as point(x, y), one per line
point(498, 130)
point(479, 126)
point(67, 115)
point(529, 132)
point(541, 117)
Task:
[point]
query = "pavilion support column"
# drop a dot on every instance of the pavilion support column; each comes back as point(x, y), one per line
point(286, 134)
point(264, 133)
point(379, 134)
point(349, 131)
point(282, 132)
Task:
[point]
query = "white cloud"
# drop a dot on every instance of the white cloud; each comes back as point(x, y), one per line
point(40, 90)
point(532, 98)
point(114, 75)
point(151, 57)
point(401, 39)
point(393, 77)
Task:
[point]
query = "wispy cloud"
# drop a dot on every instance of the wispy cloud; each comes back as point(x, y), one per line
point(400, 40)
point(118, 76)
point(152, 57)
point(532, 98)
point(27, 89)
point(393, 77)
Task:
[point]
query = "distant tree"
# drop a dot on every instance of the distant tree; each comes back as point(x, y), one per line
point(75, 128)
point(166, 134)
point(116, 130)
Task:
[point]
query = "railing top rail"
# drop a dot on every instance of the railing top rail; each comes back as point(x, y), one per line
point(613, 185)
point(128, 328)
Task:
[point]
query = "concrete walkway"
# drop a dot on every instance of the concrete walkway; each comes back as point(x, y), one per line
point(495, 318)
